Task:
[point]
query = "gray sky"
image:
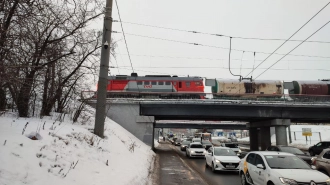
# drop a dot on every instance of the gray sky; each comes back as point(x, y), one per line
point(240, 18)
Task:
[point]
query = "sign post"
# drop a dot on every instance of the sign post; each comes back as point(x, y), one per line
point(307, 132)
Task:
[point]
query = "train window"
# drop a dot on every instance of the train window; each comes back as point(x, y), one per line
point(187, 84)
point(146, 83)
point(180, 84)
point(153, 83)
point(139, 83)
point(167, 83)
point(160, 83)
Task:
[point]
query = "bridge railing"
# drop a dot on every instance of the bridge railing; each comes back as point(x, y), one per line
point(275, 98)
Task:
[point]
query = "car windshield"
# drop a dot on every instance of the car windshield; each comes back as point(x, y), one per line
point(231, 145)
point(207, 142)
point(196, 146)
point(285, 162)
point(291, 150)
point(186, 142)
point(224, 152)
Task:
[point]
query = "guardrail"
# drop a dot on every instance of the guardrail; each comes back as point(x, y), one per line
point(216, 97)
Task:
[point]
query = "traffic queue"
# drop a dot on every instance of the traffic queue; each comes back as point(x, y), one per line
point(277, 165)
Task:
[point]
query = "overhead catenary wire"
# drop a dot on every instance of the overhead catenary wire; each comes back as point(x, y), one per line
point(290, 38)
point(219, 47)
point(218, 35)
point(294, 48)
point(122, 28)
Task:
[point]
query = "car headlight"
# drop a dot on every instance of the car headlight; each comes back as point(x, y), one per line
point(288, 181)
point(239, 151)
point(217, 161)
point(204, 152)
point(191, 152)
point(328, 182)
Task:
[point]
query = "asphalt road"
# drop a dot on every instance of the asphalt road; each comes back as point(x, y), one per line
point(197, 167)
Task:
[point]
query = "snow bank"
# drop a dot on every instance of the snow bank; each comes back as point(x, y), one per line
point(67, 154)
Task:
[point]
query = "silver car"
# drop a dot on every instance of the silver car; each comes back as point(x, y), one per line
point(322, 162)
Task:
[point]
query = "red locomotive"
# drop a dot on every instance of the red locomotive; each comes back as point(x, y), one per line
point(155, 86)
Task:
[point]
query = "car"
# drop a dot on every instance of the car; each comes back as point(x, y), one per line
point(222, 159)
point(233, 146)
point(177, 142)
point(184, 145)
point(322, 162)
point(196, 140)
point(293, 150)
point(206, 144)
point(195, 149)
point(268, 167)
point(317, 148)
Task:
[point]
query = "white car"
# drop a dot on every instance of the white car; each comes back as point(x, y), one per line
point(195, 150)
point(196, 140)
point(222, 159)
point(270, 168)
point(233, 146)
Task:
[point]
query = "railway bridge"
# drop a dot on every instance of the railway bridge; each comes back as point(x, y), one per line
point(142, 116)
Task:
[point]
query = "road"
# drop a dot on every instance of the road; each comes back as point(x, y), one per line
point(176, 168)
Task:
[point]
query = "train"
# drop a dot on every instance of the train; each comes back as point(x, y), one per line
point(267, 88)
point(155, 86)
point(192, 87)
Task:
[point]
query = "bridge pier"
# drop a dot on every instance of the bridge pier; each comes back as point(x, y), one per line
point(254, 143)
point(127, 114)
point(264, 134)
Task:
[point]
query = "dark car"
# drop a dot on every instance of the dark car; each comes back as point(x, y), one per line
point(206, 144)
point(318, 148)
point(184, 145)
point(289, 149)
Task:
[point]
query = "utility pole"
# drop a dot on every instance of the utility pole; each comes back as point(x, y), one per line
point(104, 67)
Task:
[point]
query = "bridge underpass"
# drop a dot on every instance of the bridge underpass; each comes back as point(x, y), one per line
point(139, 116)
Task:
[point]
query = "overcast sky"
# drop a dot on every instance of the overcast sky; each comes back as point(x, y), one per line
point(240, 18)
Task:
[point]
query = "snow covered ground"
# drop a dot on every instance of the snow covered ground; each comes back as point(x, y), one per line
point(69, 154)
point(300, 141)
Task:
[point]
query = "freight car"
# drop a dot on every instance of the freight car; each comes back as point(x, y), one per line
point(155, 86)
point(230, 88)
point(321, 87)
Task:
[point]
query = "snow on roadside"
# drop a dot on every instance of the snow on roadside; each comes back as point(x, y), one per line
point(298, 140)
point(69, 154)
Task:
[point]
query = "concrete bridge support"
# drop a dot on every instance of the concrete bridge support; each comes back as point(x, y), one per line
point(264, 134)
point(128, 116)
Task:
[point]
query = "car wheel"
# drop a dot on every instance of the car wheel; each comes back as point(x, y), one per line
point(213, 169)
point(243, 179)
point(311, 153)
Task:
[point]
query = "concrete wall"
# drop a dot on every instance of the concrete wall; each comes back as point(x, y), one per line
point(127, 115)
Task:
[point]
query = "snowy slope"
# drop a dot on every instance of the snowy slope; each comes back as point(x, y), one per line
point(69, 154)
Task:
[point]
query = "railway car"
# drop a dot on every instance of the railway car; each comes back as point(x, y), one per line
point(311, 87)
point(155, 86)
point(261, 88)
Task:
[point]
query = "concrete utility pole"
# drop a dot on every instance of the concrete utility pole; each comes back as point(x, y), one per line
point(104, 67)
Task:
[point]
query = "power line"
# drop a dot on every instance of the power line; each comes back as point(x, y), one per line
point(218, 35)
point(293, 48)
point(204, 58)
point(218, 47)
point(124, 36)
point(290, 38)
point(217, 67)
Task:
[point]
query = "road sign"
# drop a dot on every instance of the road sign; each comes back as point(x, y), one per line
point(306, 131)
